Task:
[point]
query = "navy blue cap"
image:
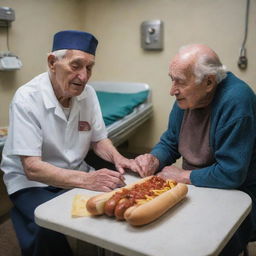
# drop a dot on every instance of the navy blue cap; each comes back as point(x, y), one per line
point(75, 40)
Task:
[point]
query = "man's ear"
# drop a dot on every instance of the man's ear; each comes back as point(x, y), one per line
point(51, 61)
point(210, 82)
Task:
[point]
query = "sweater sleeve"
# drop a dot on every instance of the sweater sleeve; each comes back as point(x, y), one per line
point(234, 145)
point(166, 150)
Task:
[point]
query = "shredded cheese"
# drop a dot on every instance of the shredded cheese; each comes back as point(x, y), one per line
point(169, 185)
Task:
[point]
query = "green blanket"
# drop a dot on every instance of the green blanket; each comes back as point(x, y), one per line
point(115, 106)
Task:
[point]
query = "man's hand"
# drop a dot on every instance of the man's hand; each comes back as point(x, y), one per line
point(103, 180)
point(148, 164)
point(174, 173)
point(122, 163)
point(105, 149)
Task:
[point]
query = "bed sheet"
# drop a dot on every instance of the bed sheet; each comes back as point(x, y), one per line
point(121, 129)
point(115, 106)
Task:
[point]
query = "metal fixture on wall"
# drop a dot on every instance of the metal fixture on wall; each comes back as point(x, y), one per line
point(7, 15)
point(243, 61)
point(152, 35)
point(8, 61)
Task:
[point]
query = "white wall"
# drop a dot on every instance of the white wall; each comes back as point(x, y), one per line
point(30, 38)
point(116, 23)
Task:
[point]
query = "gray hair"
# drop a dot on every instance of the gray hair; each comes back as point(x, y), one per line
point(59, 54)
point(207, 65)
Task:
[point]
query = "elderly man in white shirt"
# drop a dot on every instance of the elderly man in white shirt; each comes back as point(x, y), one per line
point(54, 119)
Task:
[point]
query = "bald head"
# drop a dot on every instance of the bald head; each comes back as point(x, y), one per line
point(200, 60)
point(195, 51)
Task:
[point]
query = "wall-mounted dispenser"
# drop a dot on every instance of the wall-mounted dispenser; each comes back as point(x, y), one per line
point(152, 35)
point(7, 15)
point(8, 61)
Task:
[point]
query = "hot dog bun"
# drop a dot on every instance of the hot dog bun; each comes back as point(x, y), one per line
point(142, 214)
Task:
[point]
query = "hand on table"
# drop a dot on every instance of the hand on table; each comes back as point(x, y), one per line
point(104, 180)
point(174, 173)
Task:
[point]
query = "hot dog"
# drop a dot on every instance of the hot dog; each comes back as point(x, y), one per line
point(139, 203)
point(95, 205)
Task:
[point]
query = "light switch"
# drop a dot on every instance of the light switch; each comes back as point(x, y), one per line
point(152, 35)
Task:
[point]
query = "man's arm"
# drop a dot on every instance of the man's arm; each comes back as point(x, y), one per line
point(234, 149)
point(106, 150)
point(101, 180)
point(165, 152)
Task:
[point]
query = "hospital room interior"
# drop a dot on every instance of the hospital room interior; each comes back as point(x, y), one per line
point(128, 60)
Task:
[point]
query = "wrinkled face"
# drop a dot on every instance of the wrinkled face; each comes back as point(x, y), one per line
point(70, 74)
point(189, 95)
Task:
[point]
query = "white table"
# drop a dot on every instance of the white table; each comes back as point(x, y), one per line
point(200, 225)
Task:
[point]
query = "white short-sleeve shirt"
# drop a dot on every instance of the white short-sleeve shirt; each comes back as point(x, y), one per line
point(39, 127)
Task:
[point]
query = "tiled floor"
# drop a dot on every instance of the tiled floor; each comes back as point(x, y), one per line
point(252, 249)
point(8, 241)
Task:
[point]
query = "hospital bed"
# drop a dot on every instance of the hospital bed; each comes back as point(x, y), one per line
point(125, 106)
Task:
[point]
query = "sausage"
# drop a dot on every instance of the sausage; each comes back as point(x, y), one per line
point(110, 205)
point(95, 205)
point(121, 207)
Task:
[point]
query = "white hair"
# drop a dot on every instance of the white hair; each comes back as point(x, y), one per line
point(207, 65)
point(59, 54)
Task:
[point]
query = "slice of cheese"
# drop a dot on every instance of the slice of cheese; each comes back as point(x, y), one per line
point(79, 206)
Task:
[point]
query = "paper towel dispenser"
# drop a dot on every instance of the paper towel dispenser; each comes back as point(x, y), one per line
point(7, 15)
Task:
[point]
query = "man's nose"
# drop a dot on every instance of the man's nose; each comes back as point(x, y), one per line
point(83, 74)
point(174, 90)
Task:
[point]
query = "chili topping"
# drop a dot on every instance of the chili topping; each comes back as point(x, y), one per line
point(144, 191)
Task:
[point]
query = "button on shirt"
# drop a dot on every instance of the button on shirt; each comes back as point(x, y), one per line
point(39, 127)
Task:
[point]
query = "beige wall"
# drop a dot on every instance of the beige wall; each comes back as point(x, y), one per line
point(116, 23)
point(30, 38)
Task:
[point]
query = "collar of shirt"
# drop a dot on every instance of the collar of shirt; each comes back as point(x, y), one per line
point(50, 100)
